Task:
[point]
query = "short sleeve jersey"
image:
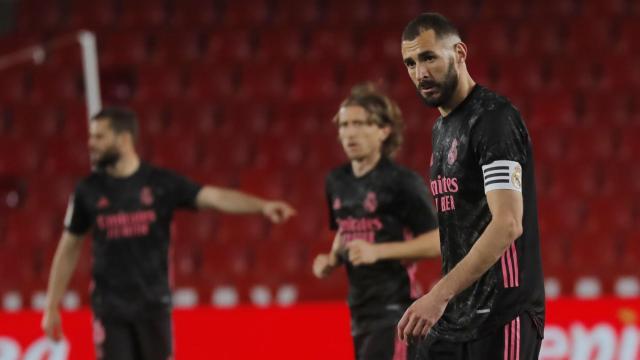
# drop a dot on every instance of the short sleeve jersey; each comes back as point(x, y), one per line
point(482, 146)
point(390, 203)
point(130, 219)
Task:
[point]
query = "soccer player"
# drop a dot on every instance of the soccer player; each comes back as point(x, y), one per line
point(490, 302)
point(374, 206)
point(128, 204)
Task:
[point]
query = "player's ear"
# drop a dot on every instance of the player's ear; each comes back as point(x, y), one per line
point(386, 131)
point(460, 50)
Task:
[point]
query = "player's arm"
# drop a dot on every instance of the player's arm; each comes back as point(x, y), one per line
point(424, 246)
point(504, 228)
point(236, 202)
point(324, 264)
point(64, 263)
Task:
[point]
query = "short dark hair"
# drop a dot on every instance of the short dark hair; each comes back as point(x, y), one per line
point(382, 111)
point(429, 21)
point(120, 119)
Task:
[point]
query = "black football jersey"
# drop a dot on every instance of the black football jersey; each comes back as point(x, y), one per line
point(389, 203)
point(130, 219)
point(481, 146)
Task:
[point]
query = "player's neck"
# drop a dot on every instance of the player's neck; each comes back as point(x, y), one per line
point(465, 85)
point(125, 167)
point(362, 166)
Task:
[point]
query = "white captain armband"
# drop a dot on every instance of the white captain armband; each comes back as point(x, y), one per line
point(502, 174)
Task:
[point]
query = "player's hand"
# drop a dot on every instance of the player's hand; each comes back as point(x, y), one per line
point(323, 265)
point(362, 252)
point(421, 316)
point(52, 324)
point(278, 211)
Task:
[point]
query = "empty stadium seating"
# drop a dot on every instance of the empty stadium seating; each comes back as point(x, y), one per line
point(242, 94)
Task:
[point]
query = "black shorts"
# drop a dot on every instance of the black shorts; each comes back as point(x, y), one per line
point(520, 339)
point(382, 344)
point(143, 339)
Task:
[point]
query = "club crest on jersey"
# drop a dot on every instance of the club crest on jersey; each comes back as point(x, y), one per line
point(516, 177)
point(371, 202)
point(103, 203)
point(337, 204)
point(146, 196)
point(453, 152)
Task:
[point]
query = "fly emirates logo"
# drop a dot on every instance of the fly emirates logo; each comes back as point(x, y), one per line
point(443, 189)
point(361, 229)
point(126, 225)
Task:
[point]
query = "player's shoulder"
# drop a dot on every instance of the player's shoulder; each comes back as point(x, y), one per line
point(400, 174)
point(339, 173)
point(494, 104)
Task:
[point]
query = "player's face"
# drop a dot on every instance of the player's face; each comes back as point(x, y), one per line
point(432, 67)
point(103, 144)
point(360, 137)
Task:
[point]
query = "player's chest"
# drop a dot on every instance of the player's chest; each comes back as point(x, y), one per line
point(112, 199)
point(357, 199)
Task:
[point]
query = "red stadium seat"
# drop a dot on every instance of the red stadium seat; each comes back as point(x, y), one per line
point(552, 111)
point(241, 15)
point(55, 84)
point(588, 36)
point(176, 47)
point(630, 254)
point(263, 82)
point(179, 152)
point(332, 44)
point(242, 230)
point(223, 153)
point(253, 119)
point(143, 14)
point(211, 83)
point(91, 15)
point(197, 13)
point(296, 12)
point(399, 11)
point(159, 83)
point(537, 37)
point(266, 182)
point(12, 85)
point(378, 73)
point(200, 118)
point(278, 45)
point(313, 81)
point(629, 33)
point(66, 156)
point(338, 13)
point(498, 32)
point(552, 9)
point(380, 44)
point(499, 10)
point(224, 262)
point(602, 8)
point(279, 153)
point(123, 48)
point(620, 74)
point(229, 46)
point(590, 143)
point(20, 157)
point(50, 16)
point(40, 121)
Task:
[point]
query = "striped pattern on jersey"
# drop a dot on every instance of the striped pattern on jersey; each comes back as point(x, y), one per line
point(502, 174)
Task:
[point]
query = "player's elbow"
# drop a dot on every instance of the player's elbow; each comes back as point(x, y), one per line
point(511, 228)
